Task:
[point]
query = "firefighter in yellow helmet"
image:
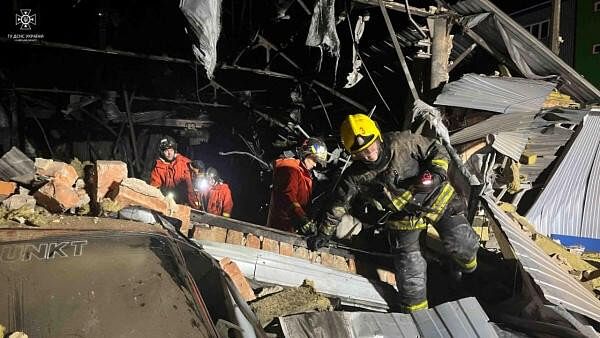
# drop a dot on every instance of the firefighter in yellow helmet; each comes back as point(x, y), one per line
point(405, 177)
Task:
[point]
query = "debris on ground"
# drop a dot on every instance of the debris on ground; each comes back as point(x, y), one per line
point(290, 301)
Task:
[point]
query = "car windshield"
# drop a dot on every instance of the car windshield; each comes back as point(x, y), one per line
point(109, 285)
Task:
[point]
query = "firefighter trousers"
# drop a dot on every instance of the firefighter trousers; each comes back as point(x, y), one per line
point(460, 242)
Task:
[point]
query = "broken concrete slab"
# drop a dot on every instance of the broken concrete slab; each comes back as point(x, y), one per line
point(108, 175)
point(17, 167)
point(238, 278)
point(135, 192)
point(18, 201)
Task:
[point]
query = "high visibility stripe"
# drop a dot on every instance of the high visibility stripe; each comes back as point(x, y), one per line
point(296, 205)
point(408, 223)
point(226, 214)
point(468, 266)
point(400, 202)
point(416, 307)
point(440, 203)
point(440, 163)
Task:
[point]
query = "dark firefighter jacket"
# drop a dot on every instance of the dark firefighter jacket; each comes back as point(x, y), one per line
point(174, 177)
point(290, 198)
point(218, 200)
point(389, 182)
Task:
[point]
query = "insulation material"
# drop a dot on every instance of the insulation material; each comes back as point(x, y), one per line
point(204, 17)
point(322, 31)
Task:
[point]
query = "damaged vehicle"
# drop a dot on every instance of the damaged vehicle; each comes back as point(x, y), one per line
point(87, 277)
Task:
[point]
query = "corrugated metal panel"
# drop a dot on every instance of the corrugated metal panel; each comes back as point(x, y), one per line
point(568, 205)
point(463, 318)
point(497, 94)
point(494, 125)
point(510, 144)
point(264, 266)
point(558, 286)
point(539, 58)
point(16, 166)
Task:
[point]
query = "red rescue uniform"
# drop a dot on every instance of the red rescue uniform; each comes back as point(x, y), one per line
point(218, 200)
point(290, 198)
point(175, 177)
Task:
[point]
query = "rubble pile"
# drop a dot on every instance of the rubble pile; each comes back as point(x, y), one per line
point(53, 187)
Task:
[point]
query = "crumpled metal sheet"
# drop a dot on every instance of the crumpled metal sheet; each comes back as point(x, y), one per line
point(204, 17)
point(510, 144)
point(568, 205)
point(528, 54)
point(462, 318)
point(496, 94)
point(354, 76)
point(322, 31)
point(558, 286)
point(16, 166)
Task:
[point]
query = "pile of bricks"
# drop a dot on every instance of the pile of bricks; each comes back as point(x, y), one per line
point(222, 235)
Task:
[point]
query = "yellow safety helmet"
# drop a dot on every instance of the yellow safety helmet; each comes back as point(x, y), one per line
point(358, 131)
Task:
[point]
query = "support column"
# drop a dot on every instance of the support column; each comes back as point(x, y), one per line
point(440, 48)
point(555, 28)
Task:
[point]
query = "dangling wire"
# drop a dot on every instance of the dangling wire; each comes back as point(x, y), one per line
point(363, 60)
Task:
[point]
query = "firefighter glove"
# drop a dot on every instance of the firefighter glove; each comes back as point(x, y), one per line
point(317, 241)
point(306, 226)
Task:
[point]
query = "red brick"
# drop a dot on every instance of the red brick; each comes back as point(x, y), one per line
point(252, 241)
point(386, 276)
point(62, 173)
point(213, 234)
point(270, 245)
point(351, 265)
point(286, 249)
point(339, 263)
point(182, 213)
point(301, 252)
point(108, 175)
point(7, 188)
point(134, 192)
point(238, 278)
point(315, 257)
point(327, 259)
point(234, 237)
point(56, 197)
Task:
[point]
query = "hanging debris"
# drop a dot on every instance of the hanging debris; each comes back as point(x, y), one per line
point(322, 33)
point(205, 20)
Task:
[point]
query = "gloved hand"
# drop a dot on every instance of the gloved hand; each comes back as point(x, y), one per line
point(317, 241)
point(306, 226)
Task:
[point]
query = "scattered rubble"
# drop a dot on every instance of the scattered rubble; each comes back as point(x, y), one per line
point(290, 301)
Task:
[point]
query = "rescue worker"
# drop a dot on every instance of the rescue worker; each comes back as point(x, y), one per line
point(292, 187)
point(171, 174)
point(216, 197)
point(404, 175)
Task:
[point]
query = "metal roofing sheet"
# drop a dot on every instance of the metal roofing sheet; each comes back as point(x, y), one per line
point(16, 166)
point(264, 266)
point(558, 286)
point(495, 124)
point(462, 318)
point(510, 143)
point(497, 94)
point(568, 205)
point(538, 57)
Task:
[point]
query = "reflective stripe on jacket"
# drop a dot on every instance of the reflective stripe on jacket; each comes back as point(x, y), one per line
point(290, 198)
point(389, 180)
point(175, 177)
